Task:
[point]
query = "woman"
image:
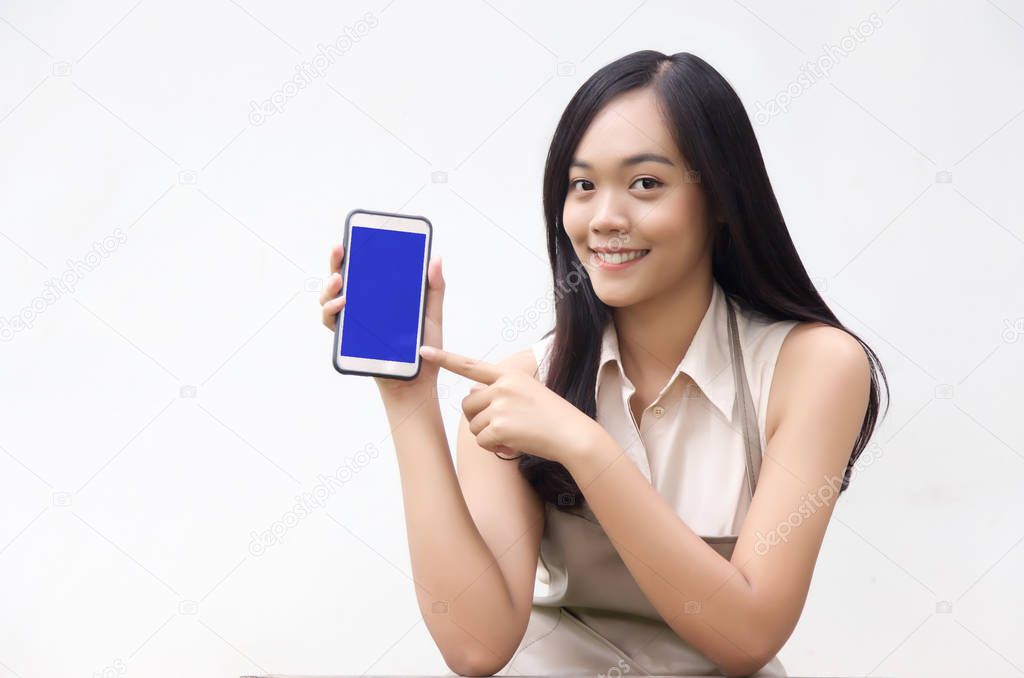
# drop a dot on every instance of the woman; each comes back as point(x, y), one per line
point(692, 362)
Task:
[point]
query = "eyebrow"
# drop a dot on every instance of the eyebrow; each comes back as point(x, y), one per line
point(631, 160)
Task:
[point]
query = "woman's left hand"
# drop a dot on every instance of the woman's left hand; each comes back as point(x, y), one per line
point(510, 411)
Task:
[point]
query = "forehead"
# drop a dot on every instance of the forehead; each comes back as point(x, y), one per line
point(630, 123)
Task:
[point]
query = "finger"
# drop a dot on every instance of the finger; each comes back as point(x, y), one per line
point(331, 289)
point(476, 402)
point(477, 370)
point(337, 253)
point(478, 422)
point(489, 440)
point(330, 310)
point(507, 452)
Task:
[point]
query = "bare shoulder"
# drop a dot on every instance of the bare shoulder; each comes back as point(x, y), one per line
point(818, 361)
point(814, 341)
point(523, 360)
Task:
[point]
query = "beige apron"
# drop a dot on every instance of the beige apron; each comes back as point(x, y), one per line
point(594, 618)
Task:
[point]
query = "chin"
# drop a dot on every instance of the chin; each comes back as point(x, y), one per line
point(616, 299)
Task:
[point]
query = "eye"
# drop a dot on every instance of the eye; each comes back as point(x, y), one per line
point(573, 183)
point(654, 183)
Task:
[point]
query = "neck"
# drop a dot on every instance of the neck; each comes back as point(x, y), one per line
point(654, 335)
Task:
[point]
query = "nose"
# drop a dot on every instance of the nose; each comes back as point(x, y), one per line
point(608, 216)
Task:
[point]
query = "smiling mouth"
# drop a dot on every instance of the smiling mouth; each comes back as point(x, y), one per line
point(620, 257)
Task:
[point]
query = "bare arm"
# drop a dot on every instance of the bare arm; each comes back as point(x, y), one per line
point(473, 538)
point(740, 613)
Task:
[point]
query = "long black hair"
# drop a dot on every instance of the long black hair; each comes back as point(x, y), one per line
point(753, 256)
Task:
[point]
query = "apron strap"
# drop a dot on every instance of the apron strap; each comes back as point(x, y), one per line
point(751, 436)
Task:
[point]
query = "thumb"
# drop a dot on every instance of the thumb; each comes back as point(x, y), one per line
point(440, 274)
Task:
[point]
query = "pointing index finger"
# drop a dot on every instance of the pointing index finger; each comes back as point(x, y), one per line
point(477, 370)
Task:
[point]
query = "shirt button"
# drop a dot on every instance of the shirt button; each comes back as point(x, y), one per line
point(658, 411)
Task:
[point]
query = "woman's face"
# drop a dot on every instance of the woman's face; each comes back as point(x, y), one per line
point(629, 190)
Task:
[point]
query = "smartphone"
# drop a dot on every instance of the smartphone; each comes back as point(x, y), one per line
point(384, 280)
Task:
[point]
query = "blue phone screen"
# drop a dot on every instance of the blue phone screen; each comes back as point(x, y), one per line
point(382, 298)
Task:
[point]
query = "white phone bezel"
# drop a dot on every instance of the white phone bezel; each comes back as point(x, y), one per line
point(392, 222)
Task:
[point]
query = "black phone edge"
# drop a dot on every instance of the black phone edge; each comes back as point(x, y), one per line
point(423, 308)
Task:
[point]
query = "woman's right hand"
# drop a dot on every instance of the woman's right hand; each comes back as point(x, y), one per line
point(425, 382)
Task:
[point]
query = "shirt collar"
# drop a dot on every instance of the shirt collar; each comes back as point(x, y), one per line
point(708, 360)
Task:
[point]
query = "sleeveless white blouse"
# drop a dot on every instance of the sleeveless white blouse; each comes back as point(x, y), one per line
point(588, 614)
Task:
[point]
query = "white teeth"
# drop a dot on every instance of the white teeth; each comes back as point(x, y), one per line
point(620, 257)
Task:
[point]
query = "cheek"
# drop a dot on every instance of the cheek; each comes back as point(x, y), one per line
point(575, 219)
point(677, 218)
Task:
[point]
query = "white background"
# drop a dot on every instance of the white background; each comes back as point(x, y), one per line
point(181, 397)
